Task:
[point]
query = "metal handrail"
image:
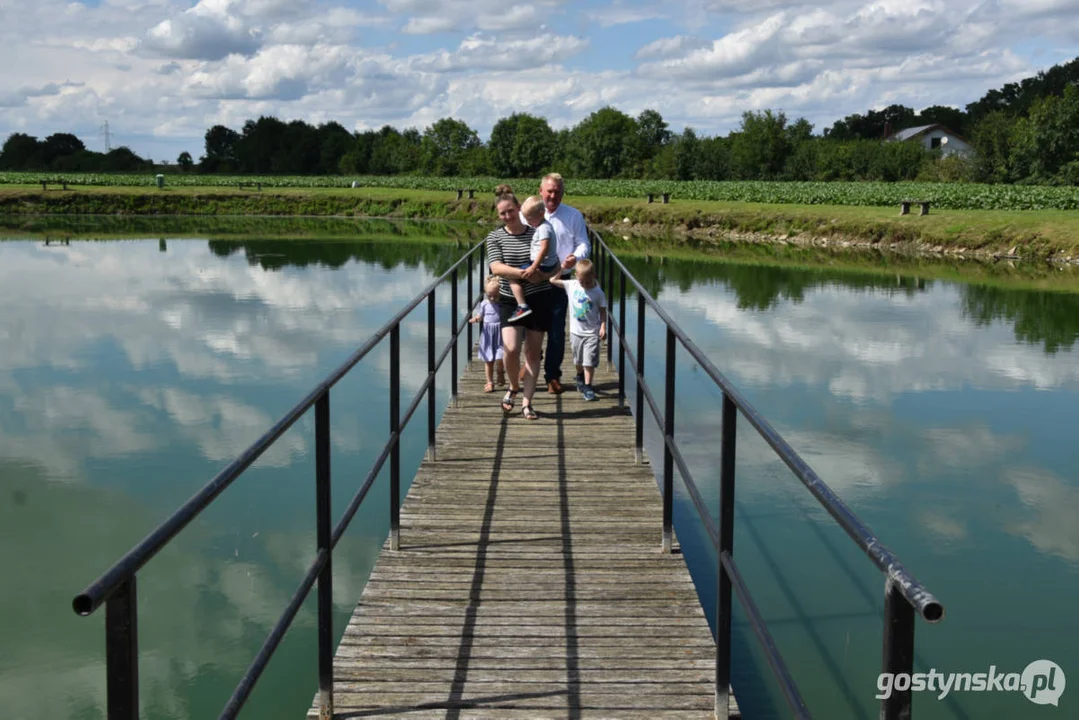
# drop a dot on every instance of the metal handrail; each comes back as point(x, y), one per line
point(904, 595)
point(116, 587)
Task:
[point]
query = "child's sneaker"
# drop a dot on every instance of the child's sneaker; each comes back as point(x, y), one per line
point(579, 380)
point(588, 393)
point(520, 313)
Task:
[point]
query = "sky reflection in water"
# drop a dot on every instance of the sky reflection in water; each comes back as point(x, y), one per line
point(942, 413)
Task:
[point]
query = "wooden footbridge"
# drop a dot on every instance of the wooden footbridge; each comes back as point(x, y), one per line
point(532, 570)
point(530, 580)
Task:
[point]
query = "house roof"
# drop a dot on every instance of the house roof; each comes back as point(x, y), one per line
point(908, 133)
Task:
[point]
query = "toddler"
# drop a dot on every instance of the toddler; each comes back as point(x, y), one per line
point(543, 254)
point(587, 323)
point(490, 334)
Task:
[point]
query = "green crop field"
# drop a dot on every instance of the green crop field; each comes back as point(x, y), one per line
point(954, 196)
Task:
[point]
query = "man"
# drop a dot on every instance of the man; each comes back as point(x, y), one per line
point(572, 245)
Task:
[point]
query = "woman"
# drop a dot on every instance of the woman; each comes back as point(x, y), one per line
point(507, 249)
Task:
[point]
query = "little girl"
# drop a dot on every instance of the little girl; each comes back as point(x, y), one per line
point(491, 334)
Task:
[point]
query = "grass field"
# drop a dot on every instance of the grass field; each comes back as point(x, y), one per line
point(1034, 233)
point(955, 196)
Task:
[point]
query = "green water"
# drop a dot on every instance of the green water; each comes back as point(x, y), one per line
point(132, 371)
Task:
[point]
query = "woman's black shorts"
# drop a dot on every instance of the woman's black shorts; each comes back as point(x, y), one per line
point(541, 304)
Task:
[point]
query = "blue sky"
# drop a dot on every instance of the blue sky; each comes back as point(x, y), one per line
point(163, 71)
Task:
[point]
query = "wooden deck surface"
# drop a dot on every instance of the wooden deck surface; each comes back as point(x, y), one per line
point(530, 582)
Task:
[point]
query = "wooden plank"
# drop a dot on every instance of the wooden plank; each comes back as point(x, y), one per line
point(530, 582)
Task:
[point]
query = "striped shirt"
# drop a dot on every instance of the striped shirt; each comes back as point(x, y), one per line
point(515, 251)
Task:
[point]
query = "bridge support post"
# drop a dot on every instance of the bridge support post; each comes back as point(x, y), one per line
point(325, 576)
point(609, 261)
point(431, 374)
point(638, 420)
point(453, 334)
point(668, 458)
point(395, 429)
point(471, 303)
point(726, 545)
point(122, 652)
point(621, 339)
point(898, 650)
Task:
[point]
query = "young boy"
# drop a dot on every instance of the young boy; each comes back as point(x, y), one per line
point(587, 323)
point(543, 255)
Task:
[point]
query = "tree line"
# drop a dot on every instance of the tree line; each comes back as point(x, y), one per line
point(64, 152)
point(1024, 132)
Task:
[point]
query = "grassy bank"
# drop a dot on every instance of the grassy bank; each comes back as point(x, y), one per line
point(1043, 234)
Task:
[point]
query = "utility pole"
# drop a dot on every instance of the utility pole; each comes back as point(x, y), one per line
point(107, 135)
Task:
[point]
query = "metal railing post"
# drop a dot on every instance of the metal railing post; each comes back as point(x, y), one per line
point(122, 652)
point(431, 372)
point(325, 576)
point(607, 288)
point(898, 650)
point(395, 427)
point(470, 303)
point(453, 334)
point(668, 458)
point(726, 545)
point(638, 430)
point(621, 339)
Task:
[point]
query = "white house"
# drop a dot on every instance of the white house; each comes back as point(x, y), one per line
point(934, 137)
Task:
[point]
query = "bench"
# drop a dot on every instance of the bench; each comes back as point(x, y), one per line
point(666, 197)
point(471, 194)
point(905, 206)
point(242, 185)
point(62, 183)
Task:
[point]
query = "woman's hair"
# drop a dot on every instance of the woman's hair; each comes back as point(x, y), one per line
point(507, 196)
point(503, 189)
point(492, 281)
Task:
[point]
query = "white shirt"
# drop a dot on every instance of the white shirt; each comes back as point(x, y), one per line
point(571, 232)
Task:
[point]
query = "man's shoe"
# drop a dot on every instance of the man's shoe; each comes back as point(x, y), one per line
point(554, 387)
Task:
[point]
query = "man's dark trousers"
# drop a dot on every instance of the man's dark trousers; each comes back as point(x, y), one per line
point(556, 338)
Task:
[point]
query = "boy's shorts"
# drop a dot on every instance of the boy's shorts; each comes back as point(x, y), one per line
point(585, 350)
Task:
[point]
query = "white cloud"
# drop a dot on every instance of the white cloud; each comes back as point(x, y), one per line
point(479, 52)
point(408, 62)
point(671, 46)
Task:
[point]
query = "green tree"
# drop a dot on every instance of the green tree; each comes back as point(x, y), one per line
point(951, 118)
point(185, 161)
point(992, 139)
point(760, 148)
point(59, 145)
point(652, 132)
point(445, 146)
point(605, 144)
point(1048, 139)
point(334, 142)
point(521, 145)
point(686, 152)
point(20, 152)
point(220, 149)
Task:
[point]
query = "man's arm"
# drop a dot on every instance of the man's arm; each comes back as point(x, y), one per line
point(580, 233)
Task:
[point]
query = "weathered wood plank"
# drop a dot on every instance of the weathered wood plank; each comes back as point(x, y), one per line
point(530, 582)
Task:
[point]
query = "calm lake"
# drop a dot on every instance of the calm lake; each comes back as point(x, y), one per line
point(131, 371)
